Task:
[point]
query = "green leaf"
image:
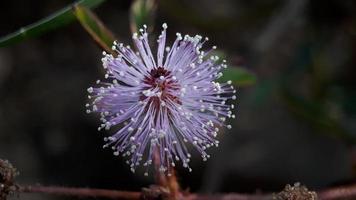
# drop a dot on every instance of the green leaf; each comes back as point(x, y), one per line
point(54, 21)
point(142, 12)
point(96, 29)
point(239, 76)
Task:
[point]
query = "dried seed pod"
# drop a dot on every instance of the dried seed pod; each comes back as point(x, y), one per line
point(296, 192)
point(7, 175)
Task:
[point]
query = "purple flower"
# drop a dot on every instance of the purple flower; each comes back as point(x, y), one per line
point(158, 106)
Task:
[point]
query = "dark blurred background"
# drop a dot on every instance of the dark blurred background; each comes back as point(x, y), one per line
point(296, 123)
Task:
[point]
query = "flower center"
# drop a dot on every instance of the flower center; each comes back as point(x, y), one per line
point(161, 87)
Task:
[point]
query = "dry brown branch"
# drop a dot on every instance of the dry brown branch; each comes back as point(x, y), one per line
point(80, 192)
point(169, 190)
point(344, 192)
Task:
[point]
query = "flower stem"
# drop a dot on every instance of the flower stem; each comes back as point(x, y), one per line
point(168, 181)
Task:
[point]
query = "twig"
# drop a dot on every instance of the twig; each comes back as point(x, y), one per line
point(8, 186)
point(232, 196)
point(81, 192)
point(124, 195)
point(342, 192)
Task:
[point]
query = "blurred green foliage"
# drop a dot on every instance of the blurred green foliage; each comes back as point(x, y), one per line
point(239, 76)
point(142, 12)
point(91, 23)
point(317, 115)
point(312, 109)
point(52, 22)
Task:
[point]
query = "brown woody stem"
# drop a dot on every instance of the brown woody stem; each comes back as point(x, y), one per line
point(344, 192)
point(80, 192)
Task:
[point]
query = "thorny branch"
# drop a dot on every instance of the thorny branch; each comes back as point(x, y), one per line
point(162, 192)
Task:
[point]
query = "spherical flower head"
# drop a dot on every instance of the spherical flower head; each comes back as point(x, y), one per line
point(159, 104)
